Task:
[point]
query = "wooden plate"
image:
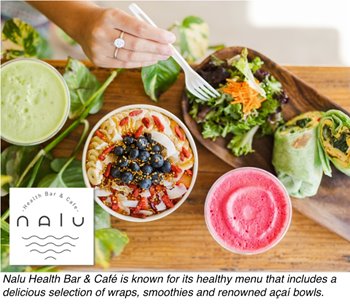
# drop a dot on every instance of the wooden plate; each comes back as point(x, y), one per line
point(331, 206)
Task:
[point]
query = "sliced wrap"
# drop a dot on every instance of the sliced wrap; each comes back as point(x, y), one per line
point(334, 141)
point(295, 155)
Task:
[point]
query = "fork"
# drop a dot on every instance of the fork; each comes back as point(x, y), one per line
point(194, 82)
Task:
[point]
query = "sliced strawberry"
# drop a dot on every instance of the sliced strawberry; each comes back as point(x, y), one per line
point(179, 133)
point(146, 122)
point(136, 193)
point(138, 132)
point(168, 202)
point(152, 190)
point(158, 123)
point(124, 121)
point(135, 112)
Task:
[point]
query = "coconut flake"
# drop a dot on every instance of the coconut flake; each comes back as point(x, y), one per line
point(177, 191)
point(166, 142)
point(102, 193)
point(130, 203)
point(146, 194)
point(161, 206)
point(146, 212)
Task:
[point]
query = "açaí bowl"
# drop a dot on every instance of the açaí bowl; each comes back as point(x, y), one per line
point(191, 144)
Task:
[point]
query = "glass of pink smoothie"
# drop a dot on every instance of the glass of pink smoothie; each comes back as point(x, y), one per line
point(248, 210)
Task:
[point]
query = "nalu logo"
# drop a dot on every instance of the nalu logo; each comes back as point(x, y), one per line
point(51, 226)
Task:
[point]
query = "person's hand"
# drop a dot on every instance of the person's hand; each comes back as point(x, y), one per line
point(144, 44)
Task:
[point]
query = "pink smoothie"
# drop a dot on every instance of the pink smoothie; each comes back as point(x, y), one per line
point(247, 210)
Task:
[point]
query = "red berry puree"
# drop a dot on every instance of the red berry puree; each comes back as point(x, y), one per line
point(247, 210)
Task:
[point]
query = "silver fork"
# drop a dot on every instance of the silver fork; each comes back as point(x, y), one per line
point(194, 82)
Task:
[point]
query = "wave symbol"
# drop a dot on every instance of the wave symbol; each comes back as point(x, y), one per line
point(49, 243)
point(57, 238)
point(50, 250)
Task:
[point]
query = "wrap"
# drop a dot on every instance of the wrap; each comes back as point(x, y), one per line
point(295, 155)
point(334, 141)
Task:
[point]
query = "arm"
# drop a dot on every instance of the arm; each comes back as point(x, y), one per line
point(95, 29)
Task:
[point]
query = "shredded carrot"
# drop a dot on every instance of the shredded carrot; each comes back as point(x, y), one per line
point(243, 94)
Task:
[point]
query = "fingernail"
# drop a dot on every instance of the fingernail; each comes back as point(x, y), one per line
point(171, 38)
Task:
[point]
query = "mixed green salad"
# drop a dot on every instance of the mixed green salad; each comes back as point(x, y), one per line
point(251, 102)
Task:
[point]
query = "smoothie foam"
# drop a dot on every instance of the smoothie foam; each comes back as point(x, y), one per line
point(247, 210)
point(34, 101)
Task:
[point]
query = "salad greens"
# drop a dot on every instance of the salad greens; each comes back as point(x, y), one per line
point(226, 115)
point(23, 41)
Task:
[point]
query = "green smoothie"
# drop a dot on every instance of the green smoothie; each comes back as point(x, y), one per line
point(34, 101)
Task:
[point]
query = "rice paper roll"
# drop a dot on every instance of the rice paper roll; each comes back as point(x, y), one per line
point(295, 155)
point(334, 141)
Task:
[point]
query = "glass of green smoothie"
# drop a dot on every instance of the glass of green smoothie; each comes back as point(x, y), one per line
point(35, 101)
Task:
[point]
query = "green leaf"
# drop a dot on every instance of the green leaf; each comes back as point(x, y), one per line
point(159, 77)
point(194, 38)
point(72, 176)
point(108, 242)
point(25, 40)
point(242, 144)
point(82, 85)
point(102, 218)
point(14, 160)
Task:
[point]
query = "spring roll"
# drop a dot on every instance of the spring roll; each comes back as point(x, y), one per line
point(334, 141)
point(295, 155)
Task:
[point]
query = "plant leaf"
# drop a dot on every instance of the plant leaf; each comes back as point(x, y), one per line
point(25, 40)
point(194, 38)
point(159, 77)
point(82, 84)
point(72, 176)
point(108, 242)
point(102, 218)
point(14, 160)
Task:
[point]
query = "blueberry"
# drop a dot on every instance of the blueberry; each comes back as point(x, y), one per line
point(145, 183)
point(156, 148)
point(127, 177)
point(155, 177)
point(144, 155)
point(141, 143)
point(123, 161)
point(166, 168)
point(133, 153)
point(128, 140)
point(118, 150)
point(115, 172)
point(157, 161)
point(134, 166)
point(147, 169)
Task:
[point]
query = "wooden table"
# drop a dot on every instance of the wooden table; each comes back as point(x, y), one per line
point(181, 241)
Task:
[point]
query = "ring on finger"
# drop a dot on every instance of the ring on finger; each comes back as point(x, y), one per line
point(118, 43)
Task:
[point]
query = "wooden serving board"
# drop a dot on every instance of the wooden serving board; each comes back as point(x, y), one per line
point(331, 206)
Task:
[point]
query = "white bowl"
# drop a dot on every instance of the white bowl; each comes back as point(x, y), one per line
point(195, 165)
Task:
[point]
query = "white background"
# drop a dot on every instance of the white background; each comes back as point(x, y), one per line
point(333, 293)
